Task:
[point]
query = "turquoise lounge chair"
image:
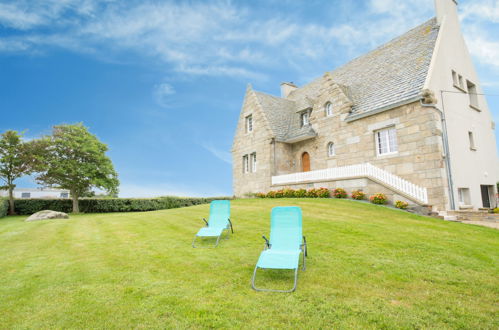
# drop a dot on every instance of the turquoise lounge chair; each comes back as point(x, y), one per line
point(285, 245)
point(219, 221)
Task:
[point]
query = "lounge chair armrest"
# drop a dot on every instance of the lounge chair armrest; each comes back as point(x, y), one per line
point(206, 222)
point(231, 228)
point(267, 243)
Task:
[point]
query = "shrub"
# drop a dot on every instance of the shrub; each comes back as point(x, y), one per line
point(279, 194)
point(323, 193)
point(260, 195)
point(271, 194)
point(312, 193)
point(496, 210)
point(358, 195)
point(300, 193)
point(339, 193)
point(288, 193)
point(4, 207)
point(99, 205)
point(378, 198)
point(401, 205)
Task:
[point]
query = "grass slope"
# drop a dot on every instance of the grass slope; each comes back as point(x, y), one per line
point(369, 267)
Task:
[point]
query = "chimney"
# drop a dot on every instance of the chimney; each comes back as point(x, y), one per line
point(445, 8)
point(287, 88)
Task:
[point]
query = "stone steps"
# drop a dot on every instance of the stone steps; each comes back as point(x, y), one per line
point(468, 215)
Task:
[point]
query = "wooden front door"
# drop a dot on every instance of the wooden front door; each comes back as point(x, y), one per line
point(305, 162)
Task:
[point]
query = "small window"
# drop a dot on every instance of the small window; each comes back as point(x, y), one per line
point(472, 92)
point(249, 123)
point(386, 141)
point(464, 196)
point(454, 78)
point(245, 164)
point(330, 149)
point(304, 118)
point(253, 162)
point(472, 141)
point(329, 109)
point(64, 195)
point(25, 195)
point(460, 80)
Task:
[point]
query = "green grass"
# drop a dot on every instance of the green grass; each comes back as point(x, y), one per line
point(369, 267)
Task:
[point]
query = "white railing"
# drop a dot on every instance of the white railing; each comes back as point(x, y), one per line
point(356, 171)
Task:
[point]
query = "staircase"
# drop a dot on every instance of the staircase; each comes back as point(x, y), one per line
point(468, 215)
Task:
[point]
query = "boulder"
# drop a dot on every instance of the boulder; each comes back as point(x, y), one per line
point(47, 214)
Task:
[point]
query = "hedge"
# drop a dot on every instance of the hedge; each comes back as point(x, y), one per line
point(4, 207)
point(100, 205)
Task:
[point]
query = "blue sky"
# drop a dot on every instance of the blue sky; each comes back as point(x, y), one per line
point(162, 82)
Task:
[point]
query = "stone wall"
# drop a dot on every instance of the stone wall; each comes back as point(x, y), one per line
point(259, 141)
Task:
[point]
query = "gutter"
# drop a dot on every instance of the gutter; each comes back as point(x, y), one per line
point(382, 109)
point(445, 142)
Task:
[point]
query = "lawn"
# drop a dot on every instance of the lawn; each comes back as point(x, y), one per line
point(368, 267)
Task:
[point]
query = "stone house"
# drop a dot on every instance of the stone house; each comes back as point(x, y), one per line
point(408, 119)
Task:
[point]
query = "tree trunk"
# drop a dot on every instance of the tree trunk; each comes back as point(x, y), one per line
point(11, 201)
point(76, 207)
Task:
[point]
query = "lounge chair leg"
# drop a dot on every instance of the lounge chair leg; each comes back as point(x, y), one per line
point(270, 290)
point(218, 239)
point(194, 241)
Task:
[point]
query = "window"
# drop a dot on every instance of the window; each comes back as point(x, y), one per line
point(64, 195)
point(472, 93)
point(329, 109)
point(245, 164)
point(460, 80)
point(304, 118)
point(330, 149)
point(249, 123)
point(454, 78)
point(253, 162)
point(464, 196)
point(472, 141)
point(386, 141)
point(25, 195)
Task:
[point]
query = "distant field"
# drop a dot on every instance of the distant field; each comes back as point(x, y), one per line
point(368, 267)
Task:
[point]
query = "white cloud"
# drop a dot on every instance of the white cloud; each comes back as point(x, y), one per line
point(484, 50)
point(161, 93)
point(481, 10)
point(223, 155)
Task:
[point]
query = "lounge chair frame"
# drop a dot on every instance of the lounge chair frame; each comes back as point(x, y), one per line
point(229, 226)
point(303, 248)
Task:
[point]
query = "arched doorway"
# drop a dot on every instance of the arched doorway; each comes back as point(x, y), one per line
point(305, 162)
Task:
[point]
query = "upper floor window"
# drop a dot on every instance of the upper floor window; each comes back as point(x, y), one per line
point(249, 123)
point(245, 164)
point(457, 81)
point(253, 162)
point(472, 141)
point(386, 141)
point(329, 109)
point(25, 195)
point(304, 118)
point(454, 78)
point(473, 94)
point(330, 149)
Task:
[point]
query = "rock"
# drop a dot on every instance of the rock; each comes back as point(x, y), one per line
point(47, 214)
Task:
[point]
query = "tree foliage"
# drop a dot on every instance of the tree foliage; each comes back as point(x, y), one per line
point(76, 160)
point(16, 160)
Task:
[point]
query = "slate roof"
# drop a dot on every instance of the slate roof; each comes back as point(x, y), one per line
point(387, 76)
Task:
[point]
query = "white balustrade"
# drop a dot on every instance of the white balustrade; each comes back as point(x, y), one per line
point(355, 171)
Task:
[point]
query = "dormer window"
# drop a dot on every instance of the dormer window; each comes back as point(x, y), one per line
point(249, 124)
point(329, 109)
point(304, 118)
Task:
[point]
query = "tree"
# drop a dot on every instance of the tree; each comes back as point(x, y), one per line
point(15, 162)
point(76, 160)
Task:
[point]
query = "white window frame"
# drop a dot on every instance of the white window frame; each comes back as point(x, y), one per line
point(386, 136)
point(331, 152)
point(329, 109)
point(464, 196)
point(473, 94)
point(305, 118)
point(245, 164)
point(249, 123)
point(454, 78)
point(471, 138)
point(253, 162)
